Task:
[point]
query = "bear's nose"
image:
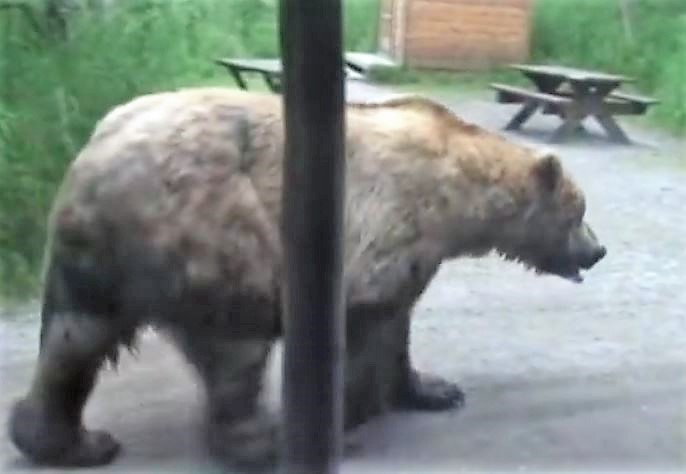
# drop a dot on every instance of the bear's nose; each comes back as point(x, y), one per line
point(592, 257)
point(599, 254)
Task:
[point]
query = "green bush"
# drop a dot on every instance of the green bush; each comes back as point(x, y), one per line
point(52, 92)
point(591, 33)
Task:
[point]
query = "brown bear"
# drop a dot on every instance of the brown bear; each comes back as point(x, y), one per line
point(169, 216)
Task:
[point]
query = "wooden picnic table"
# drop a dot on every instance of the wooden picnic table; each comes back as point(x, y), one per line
point(574, 95)
point(269, 69)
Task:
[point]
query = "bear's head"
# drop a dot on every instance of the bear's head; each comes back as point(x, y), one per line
point(550, 234)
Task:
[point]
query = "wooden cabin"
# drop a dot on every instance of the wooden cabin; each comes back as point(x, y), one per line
point(455, 34)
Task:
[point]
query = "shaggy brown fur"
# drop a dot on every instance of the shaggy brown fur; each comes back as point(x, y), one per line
point(170, 216)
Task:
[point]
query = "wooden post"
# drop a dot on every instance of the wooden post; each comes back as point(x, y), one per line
point(312, 220)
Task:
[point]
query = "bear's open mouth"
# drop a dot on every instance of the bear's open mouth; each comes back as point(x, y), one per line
point(569, 271)
point(573, 275)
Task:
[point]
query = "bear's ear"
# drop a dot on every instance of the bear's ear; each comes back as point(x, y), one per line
point(548, 170)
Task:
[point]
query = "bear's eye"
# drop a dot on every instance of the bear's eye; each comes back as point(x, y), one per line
point(570, 222)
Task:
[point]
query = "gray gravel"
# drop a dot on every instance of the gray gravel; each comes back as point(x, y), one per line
point(558, 376)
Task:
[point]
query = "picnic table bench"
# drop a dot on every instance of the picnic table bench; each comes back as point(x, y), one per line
point(269, 69)
point(573, 95)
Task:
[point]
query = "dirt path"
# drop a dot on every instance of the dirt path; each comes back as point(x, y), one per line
point(558, 376)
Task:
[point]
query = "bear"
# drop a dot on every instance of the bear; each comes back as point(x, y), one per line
point(169, 217)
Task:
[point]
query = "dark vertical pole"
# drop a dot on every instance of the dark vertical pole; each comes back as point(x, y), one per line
point(313, 200)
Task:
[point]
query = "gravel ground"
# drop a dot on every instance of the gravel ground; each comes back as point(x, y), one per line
point(558, 377)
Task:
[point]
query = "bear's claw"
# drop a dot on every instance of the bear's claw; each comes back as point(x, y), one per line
point(431, 393)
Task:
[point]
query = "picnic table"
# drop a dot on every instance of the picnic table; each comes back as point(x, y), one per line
point(573, 95)
point(270, 70)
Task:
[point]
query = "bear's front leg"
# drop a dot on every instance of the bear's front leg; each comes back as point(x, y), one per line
point(379, 373)
point(364, 394)
point(415, 390)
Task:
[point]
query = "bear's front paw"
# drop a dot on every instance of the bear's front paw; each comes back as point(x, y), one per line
point(430, 392)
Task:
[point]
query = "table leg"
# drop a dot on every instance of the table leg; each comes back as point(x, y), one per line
point(272, 82)
point(571, 123)
point(614, 132)
point(547, 85)
point(591, 99)
point(238, 78)
point(549, 110)
point(522, 116)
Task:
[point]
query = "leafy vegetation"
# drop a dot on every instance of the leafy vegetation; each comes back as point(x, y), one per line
point(647, 42)
point(52, 92)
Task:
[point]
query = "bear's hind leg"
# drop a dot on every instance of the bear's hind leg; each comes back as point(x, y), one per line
point(79, 330)
point(46, 425)
point(239, 431)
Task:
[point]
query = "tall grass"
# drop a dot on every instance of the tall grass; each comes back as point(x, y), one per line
point(590, 33)
point(52, 93)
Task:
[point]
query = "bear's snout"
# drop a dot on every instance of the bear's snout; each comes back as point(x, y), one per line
point(593, 257)
point(600, 254)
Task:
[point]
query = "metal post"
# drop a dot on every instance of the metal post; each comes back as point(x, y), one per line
point(312, 220)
